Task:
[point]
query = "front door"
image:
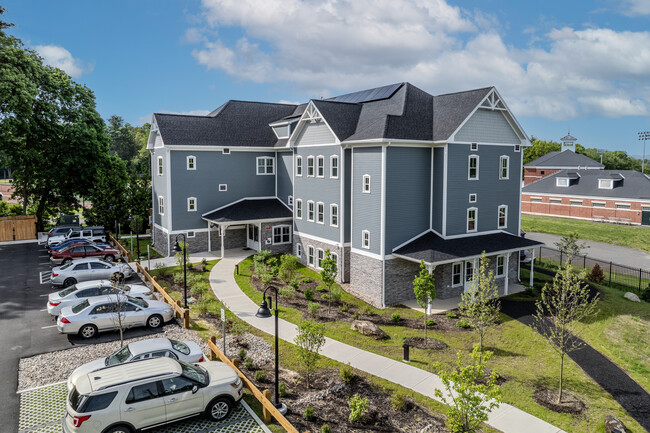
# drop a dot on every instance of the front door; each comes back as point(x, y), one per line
point(645, 217)
point(470, 275)
point(253, 238)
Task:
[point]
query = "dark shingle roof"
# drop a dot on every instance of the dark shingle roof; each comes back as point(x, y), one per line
point(342, 117)
point(250, 210)
point(634, 184)
point(433, 249)
point(450, 110)
point(565, 159)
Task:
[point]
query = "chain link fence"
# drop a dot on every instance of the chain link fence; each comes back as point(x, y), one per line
point(617, 276)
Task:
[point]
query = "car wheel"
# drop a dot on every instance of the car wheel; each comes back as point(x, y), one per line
point(119, 429)
point(219, 409)
point(69, 281)
point(88, 331)
point(66, 261)
point(109, 258)
point(155, 321)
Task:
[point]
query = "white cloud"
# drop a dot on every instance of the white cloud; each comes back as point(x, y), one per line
point(635, 7)
point(59, 57)
point(332, 46)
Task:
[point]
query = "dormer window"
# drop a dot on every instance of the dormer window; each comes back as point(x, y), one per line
point(605, 183)
point(562, 181)
point(281, 131)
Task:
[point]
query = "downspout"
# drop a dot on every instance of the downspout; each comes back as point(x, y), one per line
point(383, 224)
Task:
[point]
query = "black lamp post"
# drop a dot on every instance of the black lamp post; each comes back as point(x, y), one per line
point(264, 312)
point(178, 249)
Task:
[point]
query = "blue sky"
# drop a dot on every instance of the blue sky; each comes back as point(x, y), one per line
point(558, 64)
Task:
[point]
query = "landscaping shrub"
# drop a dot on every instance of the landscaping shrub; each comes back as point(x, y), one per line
point(202, 306)
point(199, 289)
point(287, 292)
point(346, 374)
point(398, 401)
point(248, 363)
point(395, 317)
point(204, 264)
point(451, 315)
point(273, 265)
point(355, 316)
point(308, 413)
point(282, 389)
point(288, 266)
point(190, 266)
point(336, 293)
point(358, 407)
point(596, 274)
point(161, 269)
point(262, 256)
point(238, 327)
point(462, 324)
point(294, 284)
point(309, 295)
point(645, 294)
point(320, 288)
point(367, 310)
point(242, 354)
point(260, 375)
point(344, 308)
point(325, 429)
point(313, 308)
point(325, 296)
point(306, 280)
point(430, 322)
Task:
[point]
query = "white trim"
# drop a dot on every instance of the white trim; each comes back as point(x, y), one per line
point(193, 234)
point(317, 239)
point(161, 228)
point(351, 197)
point(521, 185)
point(609, 183)
point(225, 151)
point(280, 226)
point(472, 234)
point(192, 201)
point(223, 187)
point(265, 158)
point(299, 250)
point(517, 148)
point(505, 226)
point(566, 167)
point(311, 208)
point(342, 209)
point(298, 208)
point(320, 205)
point(168, 168)
point(478, 256)
point(617, 204)
point(332, 213)
point(364, 234)
point(338, 167)
point(382, 231)
point(290, 200)
point(312, 165)
point(469, 160)
point(444, 191)
point(431, 192)
point(298, 158)
point(588, 197)
point(501, 159)
point(496, 267)
point(363, 184)
point(160, 168)
point(375, 141)
point(320, 256)
point(310, 255)
point(187, 161)
point(412, 239)
point(320, 159)
point(369, 254)
point(575, 202)
point(161, 204)
point(475, 229)
point(311, 114)
point(461, 274)
point(469, 197)
point(473, 147)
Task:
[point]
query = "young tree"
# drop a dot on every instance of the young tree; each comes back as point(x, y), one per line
point(178, 257)
point(288, 266)
point(424, 288)
point(119, 307)
point(480, 304)
point(328, 275)
point(469, 396)
point(310, 340)
point(570, 246)
point(563, 306)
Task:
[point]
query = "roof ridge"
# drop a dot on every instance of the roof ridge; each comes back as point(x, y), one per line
point(182, 114)
point(464, 91)
point(262, 102)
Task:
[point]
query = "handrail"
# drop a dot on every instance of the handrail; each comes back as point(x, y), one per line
point(259, 395)
point(180, 312)
point(119, 246)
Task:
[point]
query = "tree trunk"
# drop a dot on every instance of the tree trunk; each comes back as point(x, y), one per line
point(559, 396)
point(480, 346)
point(425, 326)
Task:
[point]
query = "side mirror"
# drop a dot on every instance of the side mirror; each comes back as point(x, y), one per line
point(195, 389)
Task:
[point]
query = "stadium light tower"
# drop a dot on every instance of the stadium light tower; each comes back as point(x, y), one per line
point(644, 135)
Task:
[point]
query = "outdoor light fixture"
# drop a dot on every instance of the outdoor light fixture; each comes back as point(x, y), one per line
point(264, 312)
point(178, 249)
point(643, 135)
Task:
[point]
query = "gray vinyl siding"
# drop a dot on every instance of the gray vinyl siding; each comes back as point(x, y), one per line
point(438, 188)
point(283, 172)
point(318, 189)
point(408, 180)
point(237, 170)
point(366, 208)
point(491, 191)
point(486, 126)
point(282, 131)
point(159, 185)
point(348, 194)
point(315, 133)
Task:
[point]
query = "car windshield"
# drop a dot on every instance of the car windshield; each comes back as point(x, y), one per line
point(119, 357)
point(66, 266)
point(76, 399)
point(80, 306)
point(194, 373)
point(138, 302)
point(65, 292)
point(180, 346)
point(106, 261)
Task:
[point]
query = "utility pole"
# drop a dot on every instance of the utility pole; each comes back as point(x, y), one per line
point(644, 135)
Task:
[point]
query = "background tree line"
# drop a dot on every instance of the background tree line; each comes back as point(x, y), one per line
point(60, 150)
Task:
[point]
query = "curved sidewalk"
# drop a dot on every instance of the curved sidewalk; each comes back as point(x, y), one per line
point(506, 418)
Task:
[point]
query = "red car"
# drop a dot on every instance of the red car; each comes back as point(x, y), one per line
point(79, 251)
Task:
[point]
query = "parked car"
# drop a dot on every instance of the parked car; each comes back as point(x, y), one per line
point(139, 395)
point(89, 289)
point(60, 230)
point(70, 242)
point(82, 251)
point(92, 233)
point(88, 269)
point(186, 351)
point(100, 313)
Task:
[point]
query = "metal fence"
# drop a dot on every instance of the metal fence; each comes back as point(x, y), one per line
point(616, 275)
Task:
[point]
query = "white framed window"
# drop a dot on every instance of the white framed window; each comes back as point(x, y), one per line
point(335, 257)
point(191, 204)
point(310, 255)
point(191, 162)
point(469, 271)
point(298, 209)
point(298, 250)
point(562, 181)
point(310, 211)
point(598, 204)
point(504, 167)
point(334, 167)
point(190, 234)
point(472, 198)
point(225, 151)
point(501, 266)
point(161, 205)
point(320, 166)
point(535, 199)
point(605, 184)
point(265, 165)
point(645, 208)
point(366, 184)
point(223, 187)
point(472, 167)
point(555, 200)
point(472, 214)
point(457, 274)
point(281, 235)
point(575, 202)
point(290, 200)
point(160, 166)
point(365, 239)
point(473, 147)
point(334, 215)
point(502, 221)
point(298, 165)
point(623, 206)
point(321, 256)
point(320, 210)
point(517, 148)
point(310, 166)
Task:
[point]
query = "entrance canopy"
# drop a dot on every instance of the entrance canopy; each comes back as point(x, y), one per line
point(435, 250)
point(250, 210)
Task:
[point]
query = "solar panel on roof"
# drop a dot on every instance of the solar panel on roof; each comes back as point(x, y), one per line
point(368, 95)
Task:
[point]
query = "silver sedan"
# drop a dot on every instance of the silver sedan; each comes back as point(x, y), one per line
point(105, 313)
point(88, 269)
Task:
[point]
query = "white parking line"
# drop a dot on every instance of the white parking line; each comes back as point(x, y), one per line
point(51, 326)
point(44, 295)
point(45, 276)
point(44, 309)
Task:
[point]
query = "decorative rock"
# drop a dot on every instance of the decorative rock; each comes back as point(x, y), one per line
point(632, 297)
point(368, 328)
point(614, 425)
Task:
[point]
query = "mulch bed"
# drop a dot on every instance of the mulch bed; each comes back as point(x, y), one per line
point(548, 398)
point(429, 343)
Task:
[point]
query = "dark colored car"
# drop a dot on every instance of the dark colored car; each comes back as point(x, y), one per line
point(75, 242)
point(82, 251)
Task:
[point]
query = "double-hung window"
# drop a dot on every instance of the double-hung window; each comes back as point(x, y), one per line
point(321, 166)
point(310, 166)
point(457, 274)
point(503, 217)
point(298, 250)
point(265, 165)
point(161, 205)
point(334, 167)
point(472, 214)
point(298, 165)
point(501, 266)
point(281, 234)
point(321, 212)
point(334, 215)
point(191, 162)
point(366, 183)
point(321, 256)
point(160, 166)
point(191, 204)
point(310, 255)
point(310, 211)
point(299, 209)
point(504, 169)
point(472, 167)
point(365, 239)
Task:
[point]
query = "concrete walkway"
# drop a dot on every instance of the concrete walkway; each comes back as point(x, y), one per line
point(439, 306)
point(506, 418)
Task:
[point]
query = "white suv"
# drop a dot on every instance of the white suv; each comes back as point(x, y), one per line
point(143, 394)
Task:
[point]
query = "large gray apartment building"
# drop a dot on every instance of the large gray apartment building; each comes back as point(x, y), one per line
point(383, 178)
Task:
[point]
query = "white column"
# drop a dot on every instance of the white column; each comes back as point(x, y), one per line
point(532, 266)
point(222, 232)
point(209, 243)
point(430, 269)
point(507, 276)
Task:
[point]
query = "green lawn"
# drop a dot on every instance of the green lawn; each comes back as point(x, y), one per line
point(626, 236)
point(525, 358)
point(126, 243)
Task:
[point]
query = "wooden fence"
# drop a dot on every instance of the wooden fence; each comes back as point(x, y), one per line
point(125, 253)
point(180, 311)
point(17, 228)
